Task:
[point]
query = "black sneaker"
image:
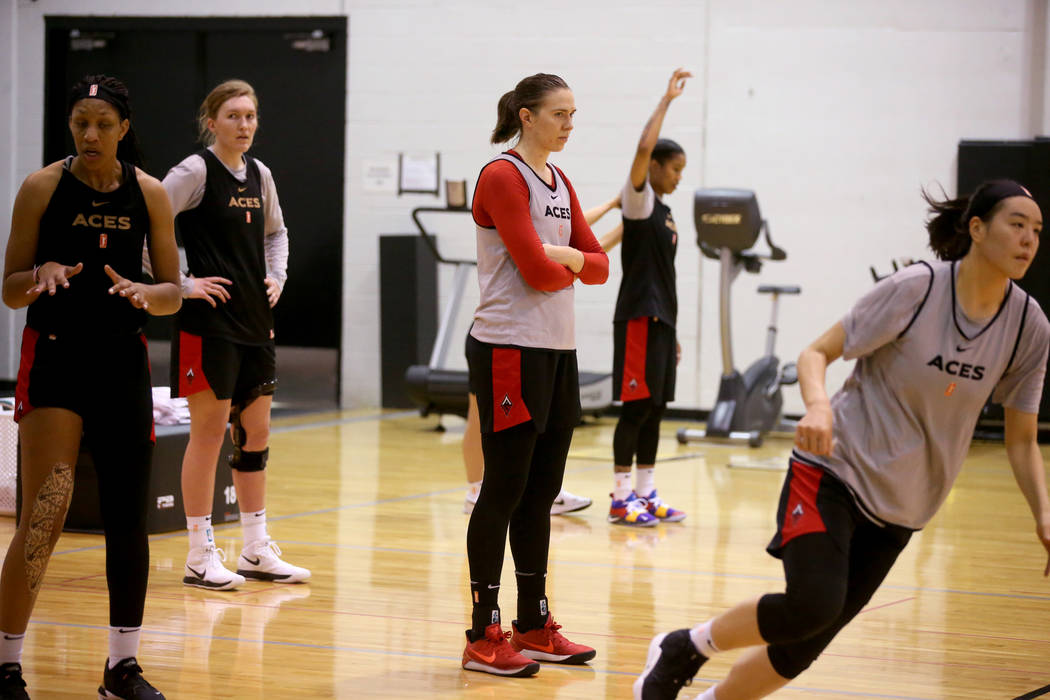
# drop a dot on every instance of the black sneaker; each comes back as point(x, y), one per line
point(12, 687)
point(125, 682)
point(673, 661)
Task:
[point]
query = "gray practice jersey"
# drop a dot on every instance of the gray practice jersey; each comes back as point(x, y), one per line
point(510, 311)
point(904, 419)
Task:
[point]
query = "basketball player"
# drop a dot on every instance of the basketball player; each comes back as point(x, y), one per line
point(474, 461)
point(874, 463)
point(645, 349)
point(77, 232)
point(223, 357)
point(533, 244)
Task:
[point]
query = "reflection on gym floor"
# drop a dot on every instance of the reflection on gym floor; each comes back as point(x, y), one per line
point(372, 502)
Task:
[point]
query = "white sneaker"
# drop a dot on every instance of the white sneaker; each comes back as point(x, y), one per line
point(204, 569)
point(260, 560)
point(567, 503)
point(470, 501)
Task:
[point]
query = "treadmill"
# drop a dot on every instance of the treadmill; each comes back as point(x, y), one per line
point(434, 388)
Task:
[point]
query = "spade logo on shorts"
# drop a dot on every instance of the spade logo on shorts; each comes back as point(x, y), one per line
point(797, 513)
point(189, 375)
point(633, 384)
point(506, 404)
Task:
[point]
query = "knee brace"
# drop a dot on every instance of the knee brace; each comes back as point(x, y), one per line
point(244, 460)
point(47, 513)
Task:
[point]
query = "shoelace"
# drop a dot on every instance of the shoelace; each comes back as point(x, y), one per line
point(217, 556)
point(655, 501)
point(498, 637)
point(263, 546)
point(637, 504)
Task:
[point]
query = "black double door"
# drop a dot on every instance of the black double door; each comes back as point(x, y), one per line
point(1027, 162)
point(298, 68)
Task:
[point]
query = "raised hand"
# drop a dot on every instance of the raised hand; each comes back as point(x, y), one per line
point(677, 83)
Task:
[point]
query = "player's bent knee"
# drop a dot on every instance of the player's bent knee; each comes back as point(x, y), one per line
point(44, 520)
point(248, 461)
point(790, 661)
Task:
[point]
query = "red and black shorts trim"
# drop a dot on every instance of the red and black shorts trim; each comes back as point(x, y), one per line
point(103, 379)
point(813, 500)
point(231, 370)
point(515, 385)
point(645, 360)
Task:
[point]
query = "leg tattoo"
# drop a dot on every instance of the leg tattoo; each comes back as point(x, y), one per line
point(51, 504)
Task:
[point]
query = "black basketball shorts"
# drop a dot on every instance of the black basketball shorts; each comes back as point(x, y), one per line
point(104, 379)
point(231, 370)
point(516, 384)
point(645, 360)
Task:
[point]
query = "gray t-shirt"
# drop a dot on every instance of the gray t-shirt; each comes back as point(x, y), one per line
point(904, 419)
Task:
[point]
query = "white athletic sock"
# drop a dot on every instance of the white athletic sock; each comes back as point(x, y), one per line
point(123, 643)
point(621, 485)
point(11, 647)
point(643, 481)
point(473, 489)
point(701, 636)
point(254, 526)
point(200, 531)
point(708, 694)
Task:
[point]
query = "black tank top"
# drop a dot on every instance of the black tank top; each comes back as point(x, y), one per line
point(648, 285)
point(83, 225)
point(223, 237)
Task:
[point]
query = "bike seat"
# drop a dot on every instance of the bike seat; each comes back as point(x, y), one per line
point(779, 289)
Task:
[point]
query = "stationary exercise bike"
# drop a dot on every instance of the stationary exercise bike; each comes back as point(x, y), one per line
point(749, 404)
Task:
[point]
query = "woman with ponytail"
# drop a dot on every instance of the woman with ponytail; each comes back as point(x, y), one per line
point(74, 258)
point(645, 344)
point(533, 244)
point(874, 462)
point(223, 353)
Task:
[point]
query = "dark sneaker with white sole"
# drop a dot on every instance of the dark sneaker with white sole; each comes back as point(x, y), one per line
point(125, 682)
point(672, 663)
point(12, 687)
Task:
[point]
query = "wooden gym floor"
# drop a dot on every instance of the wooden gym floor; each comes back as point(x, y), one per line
point(371, 502)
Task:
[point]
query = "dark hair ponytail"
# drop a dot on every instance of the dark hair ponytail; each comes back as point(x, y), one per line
point(948, 239)
point(113, 91)
point(528, 93)
point(949, 225)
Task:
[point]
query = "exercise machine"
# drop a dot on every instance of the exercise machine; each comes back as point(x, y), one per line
point(748, 405)
point(433, 387)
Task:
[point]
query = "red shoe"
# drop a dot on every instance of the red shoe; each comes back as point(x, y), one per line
point(493, 654)
point(548, 644)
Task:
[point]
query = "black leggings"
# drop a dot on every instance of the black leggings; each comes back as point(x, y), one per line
point(826, 588)
point(123, 483)
point(637, 432)
point(523, 474)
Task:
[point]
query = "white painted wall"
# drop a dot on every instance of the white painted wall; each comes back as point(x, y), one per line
point(834, 113)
